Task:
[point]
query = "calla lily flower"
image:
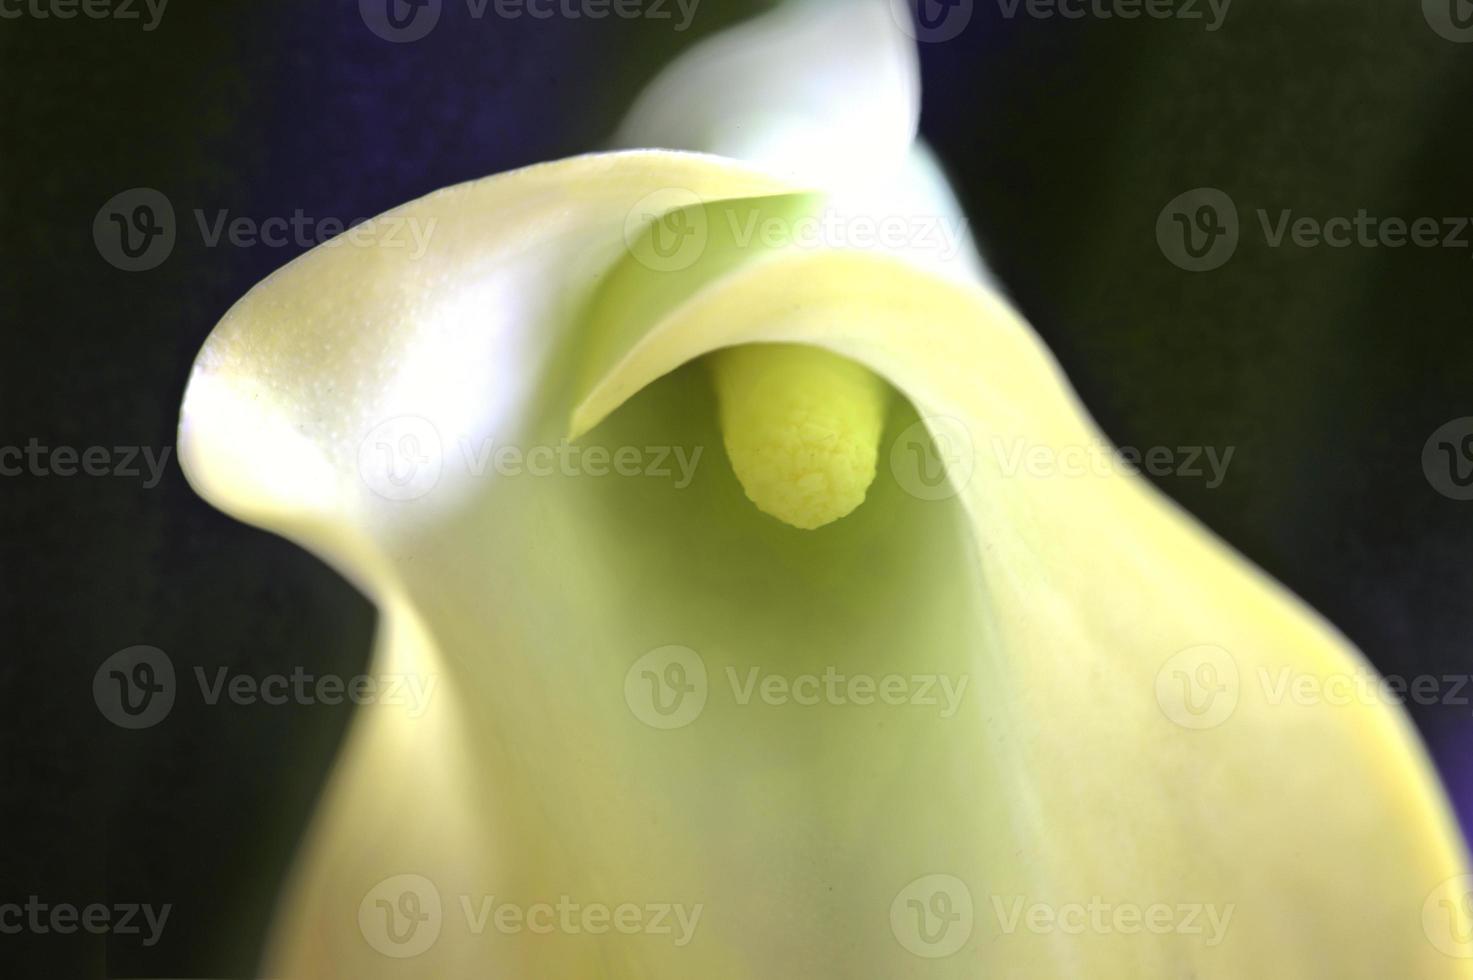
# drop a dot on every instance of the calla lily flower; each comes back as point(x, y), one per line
point(752, 657)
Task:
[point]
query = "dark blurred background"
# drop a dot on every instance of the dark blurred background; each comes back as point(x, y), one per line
point(1326, 369)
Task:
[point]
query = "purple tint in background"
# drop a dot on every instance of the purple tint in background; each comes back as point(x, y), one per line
point(1326, 370)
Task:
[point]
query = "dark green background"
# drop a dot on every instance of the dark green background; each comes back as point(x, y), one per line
point(1326, 369)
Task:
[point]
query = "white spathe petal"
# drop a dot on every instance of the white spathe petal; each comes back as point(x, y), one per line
point(913, 216)
point(357, 388)
point(825, 91)
point(806, 832)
